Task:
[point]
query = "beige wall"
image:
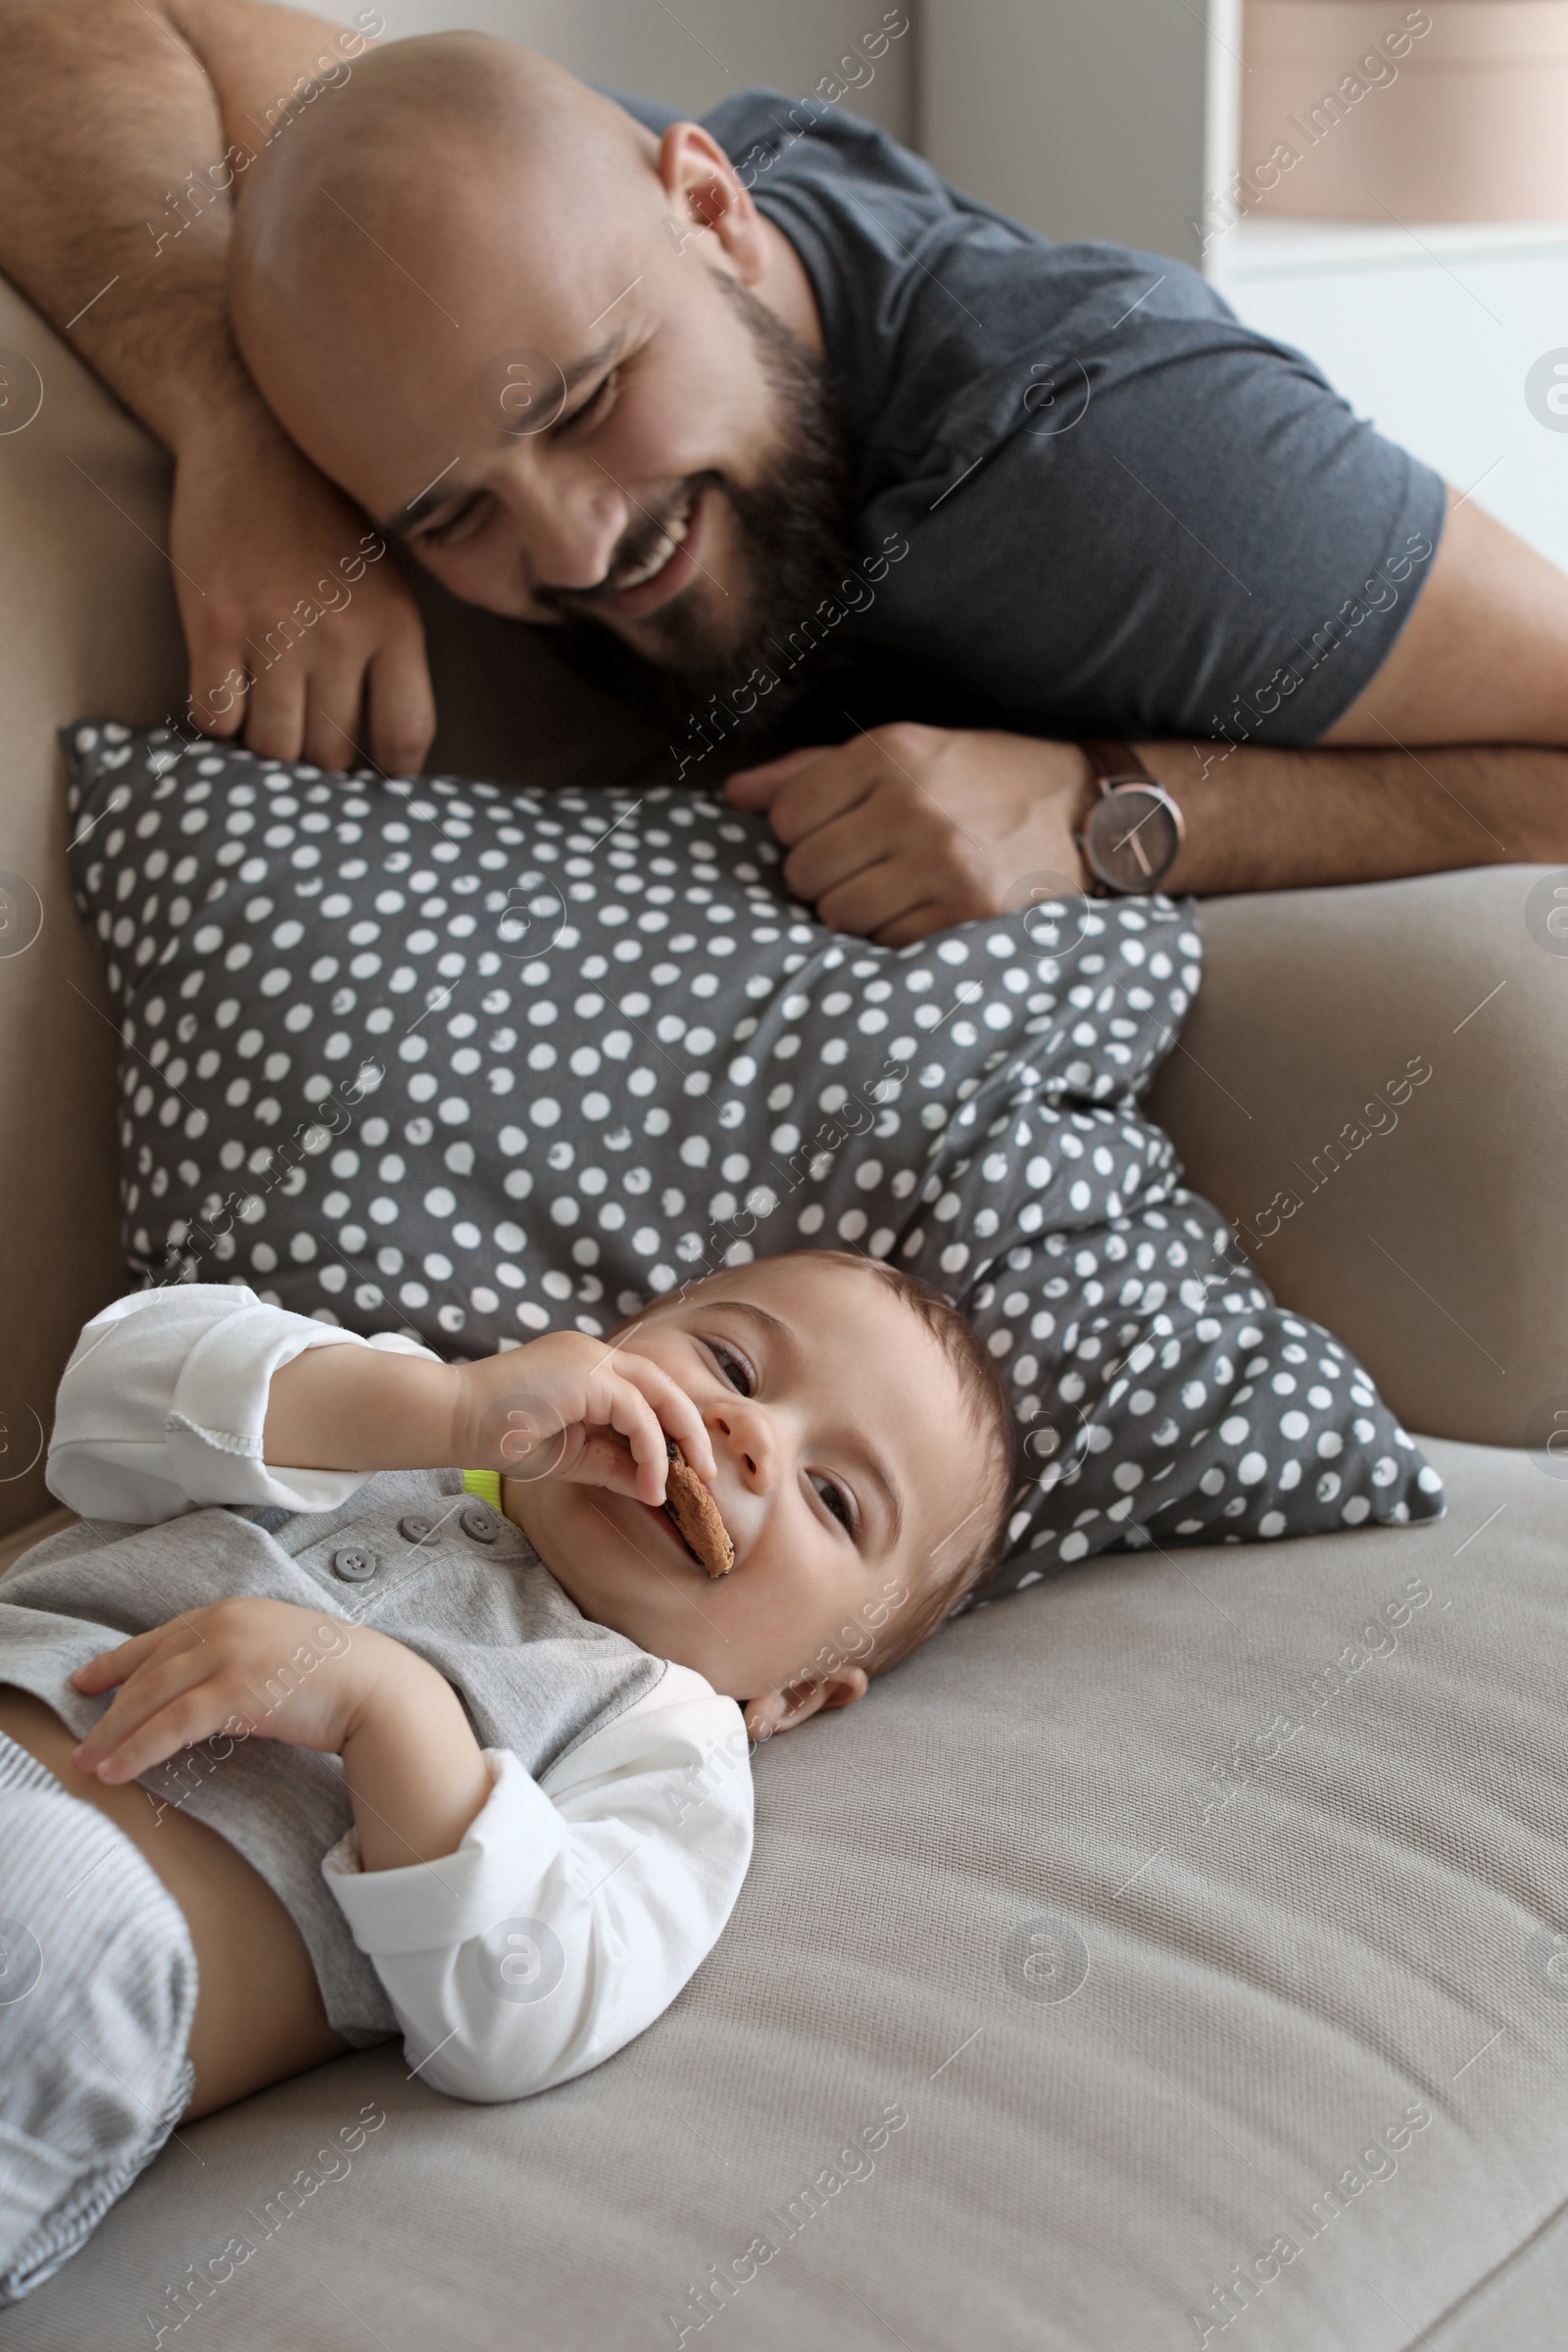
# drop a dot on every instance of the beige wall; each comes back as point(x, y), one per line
point(691, 56)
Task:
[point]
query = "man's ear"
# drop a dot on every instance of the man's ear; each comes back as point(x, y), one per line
point(706, 194)
point(782, 1710)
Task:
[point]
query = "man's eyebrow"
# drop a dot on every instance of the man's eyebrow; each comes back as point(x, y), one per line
point(865, 1453)
point(437, 493)
point(609, 348)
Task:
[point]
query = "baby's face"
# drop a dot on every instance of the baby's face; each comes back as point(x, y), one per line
point(849, 1472)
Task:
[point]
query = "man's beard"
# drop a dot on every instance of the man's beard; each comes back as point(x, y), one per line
point(792, 531)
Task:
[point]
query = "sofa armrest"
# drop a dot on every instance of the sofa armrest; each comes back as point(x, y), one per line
point(1423, 1224)
point(87, 625)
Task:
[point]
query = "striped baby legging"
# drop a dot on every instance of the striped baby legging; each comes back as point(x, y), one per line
point(97, 1996)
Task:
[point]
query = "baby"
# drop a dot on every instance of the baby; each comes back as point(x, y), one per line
point(384, 1755)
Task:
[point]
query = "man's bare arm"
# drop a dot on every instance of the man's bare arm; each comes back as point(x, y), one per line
point(1266, 820)
point(908, 829)
point(123, 127)
point(1484, 656)
point(106, 112)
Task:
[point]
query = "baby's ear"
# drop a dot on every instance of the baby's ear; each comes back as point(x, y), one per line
point(782, 1710)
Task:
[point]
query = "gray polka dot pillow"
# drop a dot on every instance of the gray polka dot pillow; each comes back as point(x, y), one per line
point(435, 1057)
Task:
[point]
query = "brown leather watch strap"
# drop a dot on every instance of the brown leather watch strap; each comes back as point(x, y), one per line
point(1113, 761)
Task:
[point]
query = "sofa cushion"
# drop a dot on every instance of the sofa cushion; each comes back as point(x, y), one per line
point(1423, 1227)
point(431, 1056)
point(1183, 1941)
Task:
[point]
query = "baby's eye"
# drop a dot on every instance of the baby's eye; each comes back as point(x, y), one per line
point(735, 1370)
point(836, 1499)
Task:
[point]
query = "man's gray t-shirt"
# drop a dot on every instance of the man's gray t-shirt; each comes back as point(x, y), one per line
point(1126, 512)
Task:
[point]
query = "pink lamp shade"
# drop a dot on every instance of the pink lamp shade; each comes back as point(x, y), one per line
point(1454, 110)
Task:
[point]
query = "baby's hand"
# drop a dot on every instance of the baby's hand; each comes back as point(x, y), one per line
point(573, 1408)
point(239, 1667)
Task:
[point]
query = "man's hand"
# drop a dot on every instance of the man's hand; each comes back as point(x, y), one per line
point(299, 632)
point(302, 630)
point(908, 829)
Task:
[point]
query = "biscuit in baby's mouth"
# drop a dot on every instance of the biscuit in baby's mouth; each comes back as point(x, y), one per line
point(695, 1515)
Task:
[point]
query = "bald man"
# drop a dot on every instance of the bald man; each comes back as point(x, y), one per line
point(753, 401)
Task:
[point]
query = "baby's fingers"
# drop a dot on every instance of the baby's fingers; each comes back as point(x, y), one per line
point(677, 1415)
point(186, 1723)
point(604, 1461)
point(628, 1412)
point(165, 1706)
point(118, 1665)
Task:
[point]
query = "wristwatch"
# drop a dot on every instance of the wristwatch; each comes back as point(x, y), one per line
point(1131, 831)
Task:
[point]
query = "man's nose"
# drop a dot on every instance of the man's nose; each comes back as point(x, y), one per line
point(570, 527)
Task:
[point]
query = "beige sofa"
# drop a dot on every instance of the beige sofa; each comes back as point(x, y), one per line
point(1161, 1957)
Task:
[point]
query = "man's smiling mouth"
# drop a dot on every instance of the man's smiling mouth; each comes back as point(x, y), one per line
point(661, 576)
point(673, 536)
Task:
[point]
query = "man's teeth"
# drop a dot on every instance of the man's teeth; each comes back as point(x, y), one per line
point(673, 534)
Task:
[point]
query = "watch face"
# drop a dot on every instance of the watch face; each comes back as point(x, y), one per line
point(1132, 836)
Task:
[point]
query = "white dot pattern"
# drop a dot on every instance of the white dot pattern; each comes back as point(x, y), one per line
point(472, 1063)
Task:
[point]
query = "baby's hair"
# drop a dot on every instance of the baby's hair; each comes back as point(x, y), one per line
point(976, 1540)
